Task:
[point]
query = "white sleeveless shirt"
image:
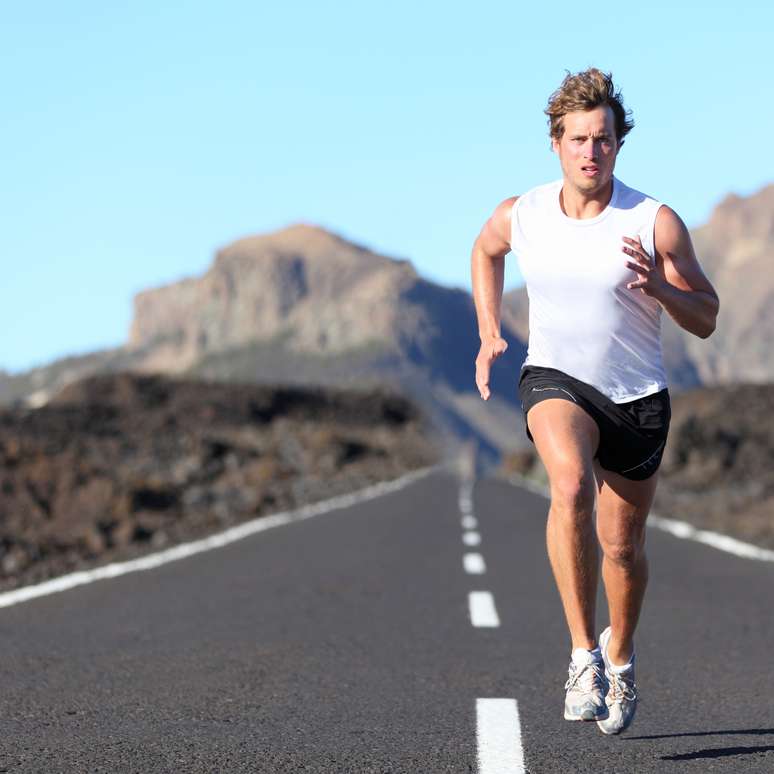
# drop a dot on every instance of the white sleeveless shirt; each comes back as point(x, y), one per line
point(583, 319)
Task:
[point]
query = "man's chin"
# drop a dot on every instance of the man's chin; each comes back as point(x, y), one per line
point(592, 184)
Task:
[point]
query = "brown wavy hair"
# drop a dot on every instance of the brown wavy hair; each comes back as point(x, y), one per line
point(585, 91)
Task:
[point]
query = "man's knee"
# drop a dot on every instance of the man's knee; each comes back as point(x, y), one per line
point(624, 552)
point(573, 491)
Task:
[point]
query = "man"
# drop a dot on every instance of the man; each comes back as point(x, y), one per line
point(600, 261)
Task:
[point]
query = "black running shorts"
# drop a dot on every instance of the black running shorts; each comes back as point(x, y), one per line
point(632, 435)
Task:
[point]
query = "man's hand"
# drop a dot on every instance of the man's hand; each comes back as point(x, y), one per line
point(650, 282)
point(491, 348)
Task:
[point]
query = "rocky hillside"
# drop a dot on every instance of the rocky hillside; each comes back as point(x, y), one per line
point(737, 248)
point(719, 462)
point(117, 464)
point(321, 294)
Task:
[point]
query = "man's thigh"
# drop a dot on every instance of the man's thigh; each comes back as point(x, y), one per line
point(566, 436)
point(622, 505)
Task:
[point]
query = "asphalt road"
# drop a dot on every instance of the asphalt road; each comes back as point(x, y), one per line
point(344, 643)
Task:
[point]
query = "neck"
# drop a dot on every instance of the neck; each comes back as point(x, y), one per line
point(581, 204)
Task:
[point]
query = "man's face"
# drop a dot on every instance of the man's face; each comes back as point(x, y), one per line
point(588, 148)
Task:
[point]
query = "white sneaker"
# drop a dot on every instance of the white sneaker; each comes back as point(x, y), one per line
point(586, 687)
point(621, 697)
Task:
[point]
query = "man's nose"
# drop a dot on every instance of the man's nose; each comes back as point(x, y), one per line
point(592, 148)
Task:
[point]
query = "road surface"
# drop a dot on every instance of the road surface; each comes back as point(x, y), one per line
point(363, 640)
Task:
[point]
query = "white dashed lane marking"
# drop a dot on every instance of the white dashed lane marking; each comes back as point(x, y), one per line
point(466, 496)
point(482, 609)
point(498, 728)
point(498, 736)
point(473, 563)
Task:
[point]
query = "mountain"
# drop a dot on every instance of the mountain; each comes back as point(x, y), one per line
point(304, 306)
point(736, 251)
point(736, 247)
point(316, 292)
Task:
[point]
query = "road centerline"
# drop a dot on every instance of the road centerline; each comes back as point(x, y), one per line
point(498, 736)
point(483, 612)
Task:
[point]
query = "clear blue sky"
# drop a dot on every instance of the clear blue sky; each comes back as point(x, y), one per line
point(140, 137)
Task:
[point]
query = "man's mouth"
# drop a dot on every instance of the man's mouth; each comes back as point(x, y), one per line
point(590, 171)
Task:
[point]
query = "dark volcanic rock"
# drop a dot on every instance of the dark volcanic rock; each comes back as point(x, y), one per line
point(718, 466)
point(117, 464)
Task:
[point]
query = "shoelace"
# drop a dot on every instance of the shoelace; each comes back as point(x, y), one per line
point(587, 678)
point(621, 687)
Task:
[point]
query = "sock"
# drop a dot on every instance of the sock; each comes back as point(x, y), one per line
point(616, 669)
point(581, 656)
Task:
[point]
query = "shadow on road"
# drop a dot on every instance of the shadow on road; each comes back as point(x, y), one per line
point(713, 752)
point(718, 752)
point(729, 732)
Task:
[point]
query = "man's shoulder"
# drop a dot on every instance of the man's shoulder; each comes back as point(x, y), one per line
point(633, 195)
point(540, 194)
point(669, 224)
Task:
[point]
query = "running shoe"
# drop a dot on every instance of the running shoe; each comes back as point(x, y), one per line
point(586, 686)
point(621, 696)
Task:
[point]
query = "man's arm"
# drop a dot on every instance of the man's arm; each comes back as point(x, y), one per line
point(688, 295)
point(488, 268)
point(488, 272)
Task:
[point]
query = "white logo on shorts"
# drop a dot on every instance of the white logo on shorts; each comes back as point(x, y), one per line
point(541, 389)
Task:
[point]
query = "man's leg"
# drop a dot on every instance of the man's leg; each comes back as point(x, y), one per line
point(622, 508)
point(566, 438)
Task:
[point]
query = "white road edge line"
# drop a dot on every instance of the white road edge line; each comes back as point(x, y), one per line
point(230, 535)
point(717, 540)
point(498, 736)
point(473, 564)
point(482, 609)
point(469, 522)
point(680, 529)
point(471, 538)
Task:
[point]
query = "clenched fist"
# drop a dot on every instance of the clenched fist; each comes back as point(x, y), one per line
point(491, 348)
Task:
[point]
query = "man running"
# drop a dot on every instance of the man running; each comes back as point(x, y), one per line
point(600, 261)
